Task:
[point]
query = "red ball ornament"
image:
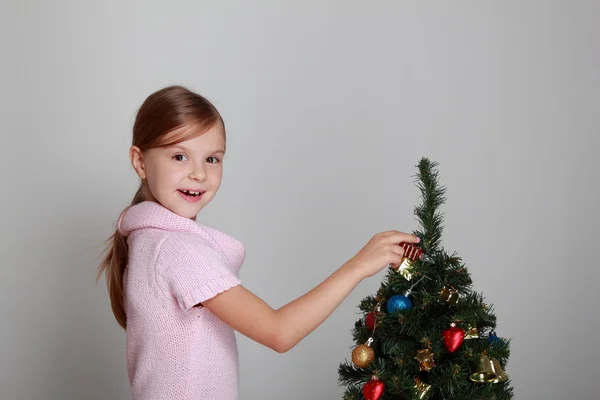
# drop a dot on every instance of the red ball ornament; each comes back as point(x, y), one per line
point(453, 337)
point(373, 390)
point(370, 320)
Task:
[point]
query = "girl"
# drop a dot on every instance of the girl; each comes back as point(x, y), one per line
point(174, 284)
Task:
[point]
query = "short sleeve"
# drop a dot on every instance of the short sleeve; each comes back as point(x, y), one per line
point(192, 270)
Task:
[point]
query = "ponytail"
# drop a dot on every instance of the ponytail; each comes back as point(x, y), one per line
point(113, 266)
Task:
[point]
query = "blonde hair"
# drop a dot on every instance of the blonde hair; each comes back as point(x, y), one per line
point(161, 114)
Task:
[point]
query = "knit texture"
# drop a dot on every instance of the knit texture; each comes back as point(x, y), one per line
point(175, 350)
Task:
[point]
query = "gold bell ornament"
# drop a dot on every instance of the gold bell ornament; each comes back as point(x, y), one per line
point(363, 354)
point(489, 371)
point(501, 376)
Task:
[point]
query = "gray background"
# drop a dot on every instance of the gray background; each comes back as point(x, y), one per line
point(328, 105)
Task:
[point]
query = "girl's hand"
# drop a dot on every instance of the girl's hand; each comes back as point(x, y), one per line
point(383, 249)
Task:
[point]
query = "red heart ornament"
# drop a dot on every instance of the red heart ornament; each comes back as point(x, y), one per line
point(373, 390)
point(453, 338)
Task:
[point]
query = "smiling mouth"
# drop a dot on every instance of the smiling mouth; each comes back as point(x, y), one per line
point(191, 193)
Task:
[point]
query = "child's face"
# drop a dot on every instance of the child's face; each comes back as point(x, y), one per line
point(172, 172)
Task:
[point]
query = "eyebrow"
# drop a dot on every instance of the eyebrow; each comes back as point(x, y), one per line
point(217, 151)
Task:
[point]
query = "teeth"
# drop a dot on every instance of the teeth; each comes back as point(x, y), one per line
point(191, 193)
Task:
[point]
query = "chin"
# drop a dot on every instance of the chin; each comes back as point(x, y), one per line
point(189, 211)
point(183, 210)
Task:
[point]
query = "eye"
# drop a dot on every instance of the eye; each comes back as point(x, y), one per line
point(214, 160)
point(180, 157)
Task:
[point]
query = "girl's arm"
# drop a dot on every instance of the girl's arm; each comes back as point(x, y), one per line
point(285, 327)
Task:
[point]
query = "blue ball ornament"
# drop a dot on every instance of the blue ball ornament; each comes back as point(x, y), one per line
point(398, 302)
point(494, 339)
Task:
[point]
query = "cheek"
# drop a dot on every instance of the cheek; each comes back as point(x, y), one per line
point(162, 178)
point(217, 173)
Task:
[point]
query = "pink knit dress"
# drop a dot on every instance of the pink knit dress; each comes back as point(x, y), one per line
point(174, 350)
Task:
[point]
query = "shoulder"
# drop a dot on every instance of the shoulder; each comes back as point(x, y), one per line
point(192, 270)
point(232, 249)
point(177, 248)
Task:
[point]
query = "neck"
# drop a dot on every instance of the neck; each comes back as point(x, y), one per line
point(148, 196)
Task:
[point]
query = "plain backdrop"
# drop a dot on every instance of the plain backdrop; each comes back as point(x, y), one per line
point(329, 105)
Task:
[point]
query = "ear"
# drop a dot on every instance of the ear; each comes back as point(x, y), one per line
point(137, 161)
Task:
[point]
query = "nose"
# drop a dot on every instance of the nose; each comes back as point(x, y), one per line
point(198, 173)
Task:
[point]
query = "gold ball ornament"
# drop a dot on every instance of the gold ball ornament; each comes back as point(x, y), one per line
point(363, 355)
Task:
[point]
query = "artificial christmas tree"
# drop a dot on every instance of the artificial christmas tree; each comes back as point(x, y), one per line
point(425, 334)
